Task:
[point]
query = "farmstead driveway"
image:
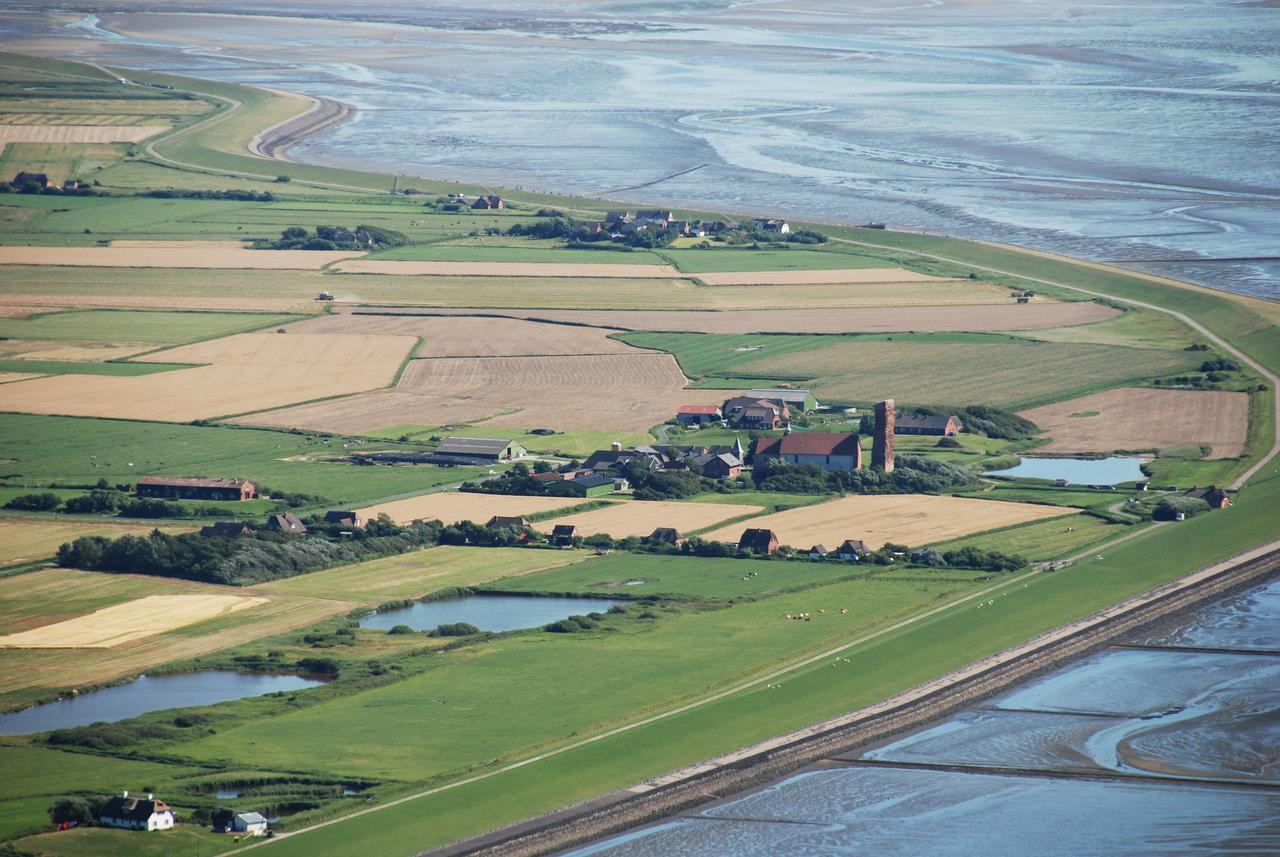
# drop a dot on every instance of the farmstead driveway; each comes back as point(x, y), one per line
point(1271, 377)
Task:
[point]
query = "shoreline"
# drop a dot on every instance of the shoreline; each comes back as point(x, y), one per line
point(272, 143)
point(731, 775)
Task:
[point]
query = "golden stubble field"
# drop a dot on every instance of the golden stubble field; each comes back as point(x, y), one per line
point(133, 620)
point(245, 372)
point(194, 254)
point(909, 519)
point(28, 539)
point(642, 517)
point(1143, 419)
point(452, 507)
point(604, 392)
point(58, 134)
point(818, 277)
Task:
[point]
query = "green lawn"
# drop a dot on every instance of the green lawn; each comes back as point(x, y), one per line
point(159, 328)
point(39, 450)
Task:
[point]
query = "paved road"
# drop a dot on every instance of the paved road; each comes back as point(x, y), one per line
point(1221, 343)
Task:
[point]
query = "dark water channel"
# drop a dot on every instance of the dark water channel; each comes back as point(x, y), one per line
point(487, 612)
point(1168, 743)
point(148, 693)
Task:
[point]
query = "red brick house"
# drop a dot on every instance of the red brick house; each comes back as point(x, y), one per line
point(829, 451)
point(758, 541)
point(748, 413)
point(196, 488)
point(927, 424)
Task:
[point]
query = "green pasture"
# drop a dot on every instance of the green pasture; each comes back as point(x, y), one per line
point(39, 450)
point(577, 443)
point(1042, 540)
point(535, 253)
point(160, 328)
point(719, 258)
point(72, 367)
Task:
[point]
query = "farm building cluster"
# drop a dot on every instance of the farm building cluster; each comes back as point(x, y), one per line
point(624, 224)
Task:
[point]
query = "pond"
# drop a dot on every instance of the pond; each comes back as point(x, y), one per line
point(148, 693)
point(1078, 471)
point(487, 612)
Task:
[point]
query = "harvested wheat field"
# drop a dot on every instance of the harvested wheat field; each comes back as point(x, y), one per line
point(452, 507)
point(841, 275)
point(605, 392)
point(91, 352)
point(642, 517)
point(198, 256)
point(1135, 419)
point(55, 595)
point(9, 377)
point(468, 336)
point(508, 269)
point(284, 369)
point(906, 519)
point(77, 133)
point(830, 320)
point(133, 620)
point(25, 540)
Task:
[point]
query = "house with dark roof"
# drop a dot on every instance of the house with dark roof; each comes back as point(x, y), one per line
point(818, 552)
point(23, 178)
point(226, 529)
point(691, 415)
point(927, 424)
point(827, 450)
point(852, 550)
point(613, 459)
point(758, 541)
point(797, 400)
point(132, 813)
point(478, 450)
point(664, 536)
point(488, 201)
point(773, 225)
point(498, 522)
point(746, 412)
point(1214, 496)
point(286, 522)
point(563, 534)
point(719, 466)
point(195, 488)
point(344, 518)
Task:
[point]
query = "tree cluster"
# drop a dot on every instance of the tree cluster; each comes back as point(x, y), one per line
point(334, 238)
point(912, 474)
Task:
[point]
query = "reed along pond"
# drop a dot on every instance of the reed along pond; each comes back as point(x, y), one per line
point(1160, 744)
point(146, 694)
point(1077, 471)
point(487, 612)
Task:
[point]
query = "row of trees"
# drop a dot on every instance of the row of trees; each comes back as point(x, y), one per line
point(911, 474)
point(335, 238)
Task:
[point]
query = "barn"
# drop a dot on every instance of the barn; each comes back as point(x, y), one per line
point(927, 424)
point(797, 400)
point(758, 541)
point(196, 488)
point(478, 450)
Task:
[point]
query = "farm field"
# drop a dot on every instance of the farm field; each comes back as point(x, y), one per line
point(576, 443)
point(1011, 374)
point(196, 256)
point(74, 352)
point(1136, 328)
point(725, 259)
point(522, 250)
point(25, 539)
point(58, 134)
point(452, 507)
point(467, 336)
point(873, 319)
point(1044, 540)
point(41, 598)
point(606, 392)
point(642, 517)
point(638, 575)
point(132, 620)
point(300, 368)
point(40, 450)
point(821, 277)
point(914, 520)
point(114, 326)
point(546, 270)
point(414, 575)
point(1145, 419)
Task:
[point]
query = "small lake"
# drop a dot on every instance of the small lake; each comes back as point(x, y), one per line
point(487, 612)
point(1078, 471)
point(148, 693)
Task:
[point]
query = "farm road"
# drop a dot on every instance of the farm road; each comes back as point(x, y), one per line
point(1271, 377)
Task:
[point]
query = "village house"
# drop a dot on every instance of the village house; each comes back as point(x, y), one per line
point(852, 550)
point(774, 225)
point(609, 459)
point(195, 488)
point(131, 813)
point(490, 201)
point(344, 518)
point(25, 178)
point(477, 450)
point(721, 466)
point(827, 451)
point(746, 412)
point(226, 529)
point(563, 534)
point(498, 522)
point(665, 536)
point(691, 415)
point(758, 541)
point(818, 552)
point(286, 522)
point(801, 401)
point(927, 424)
point(1214, 496)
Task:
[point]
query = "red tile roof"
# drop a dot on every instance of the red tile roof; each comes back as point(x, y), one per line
point(809, 443)
point(699, 409)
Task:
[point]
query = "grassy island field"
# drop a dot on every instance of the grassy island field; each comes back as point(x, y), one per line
point(154, 324)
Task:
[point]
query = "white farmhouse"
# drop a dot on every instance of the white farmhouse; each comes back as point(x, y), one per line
point(133, 813)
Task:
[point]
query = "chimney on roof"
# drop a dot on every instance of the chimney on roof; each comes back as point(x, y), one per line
point(882, 439)
point(616, 446)
point(150, 796)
